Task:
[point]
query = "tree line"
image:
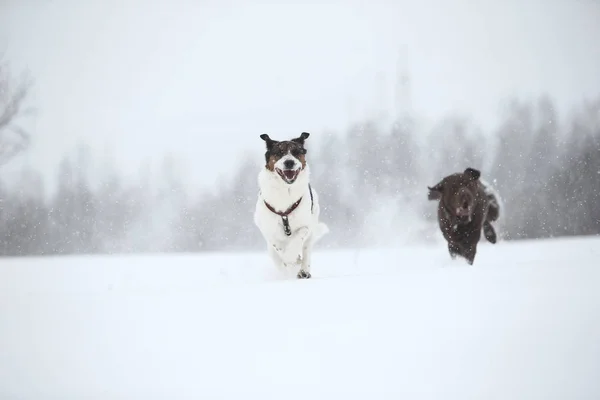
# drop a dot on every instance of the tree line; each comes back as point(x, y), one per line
point(371, 180)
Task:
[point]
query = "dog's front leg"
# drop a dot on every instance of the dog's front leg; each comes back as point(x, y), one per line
point(294, 250)
point(277, 251)
point(304, 272)
point(275, 254)
point(286, 255)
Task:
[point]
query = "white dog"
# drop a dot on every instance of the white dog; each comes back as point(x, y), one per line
point(287, 210)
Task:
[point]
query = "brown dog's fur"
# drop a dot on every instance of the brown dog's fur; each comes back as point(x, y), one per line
point(465, 209)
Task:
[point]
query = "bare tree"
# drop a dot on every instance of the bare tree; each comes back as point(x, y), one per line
point(13, 93)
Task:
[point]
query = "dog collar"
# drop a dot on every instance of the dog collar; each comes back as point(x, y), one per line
point(284, 215)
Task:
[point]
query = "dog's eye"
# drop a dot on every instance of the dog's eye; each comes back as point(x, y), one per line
point(277, 152)
point(298, 152)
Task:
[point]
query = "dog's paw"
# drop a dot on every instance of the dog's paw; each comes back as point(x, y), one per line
point(302, 274)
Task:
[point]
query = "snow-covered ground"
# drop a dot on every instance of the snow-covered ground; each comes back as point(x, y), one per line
point(522, 323)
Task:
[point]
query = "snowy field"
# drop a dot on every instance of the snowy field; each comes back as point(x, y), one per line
point(522, 323)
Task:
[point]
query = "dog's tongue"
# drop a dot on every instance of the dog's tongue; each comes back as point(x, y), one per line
point(290, 174)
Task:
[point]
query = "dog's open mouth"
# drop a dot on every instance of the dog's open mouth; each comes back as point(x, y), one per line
point(288, 175)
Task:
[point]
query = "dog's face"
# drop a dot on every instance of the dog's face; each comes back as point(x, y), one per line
point(286, 158)
point(458, 194)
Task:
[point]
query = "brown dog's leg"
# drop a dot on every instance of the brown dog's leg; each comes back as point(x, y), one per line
point(469, 253)
point(493, 210)
point(489, 232)
point(453, 250)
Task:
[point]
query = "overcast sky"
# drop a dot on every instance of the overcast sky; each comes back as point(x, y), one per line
point(205, 78)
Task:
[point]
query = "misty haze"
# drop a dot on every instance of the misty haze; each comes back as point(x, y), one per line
point(129, 158)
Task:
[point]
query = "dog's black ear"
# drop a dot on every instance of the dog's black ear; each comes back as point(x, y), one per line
point(435, 193)
point(266, 138)
point(302, 138)
point(472, 173)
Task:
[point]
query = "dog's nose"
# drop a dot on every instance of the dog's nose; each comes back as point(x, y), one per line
point(289, 164)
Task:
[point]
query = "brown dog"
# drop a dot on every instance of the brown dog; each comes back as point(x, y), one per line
point(466, 206)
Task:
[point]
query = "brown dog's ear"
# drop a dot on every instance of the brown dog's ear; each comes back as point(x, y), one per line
point(472, 173)
point(302, 138)
point(270, 142)
point(435, 193)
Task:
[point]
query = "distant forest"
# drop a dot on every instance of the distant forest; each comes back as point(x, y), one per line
point(372, 183)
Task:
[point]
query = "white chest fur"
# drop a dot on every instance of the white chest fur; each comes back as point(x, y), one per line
point(281, 196)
